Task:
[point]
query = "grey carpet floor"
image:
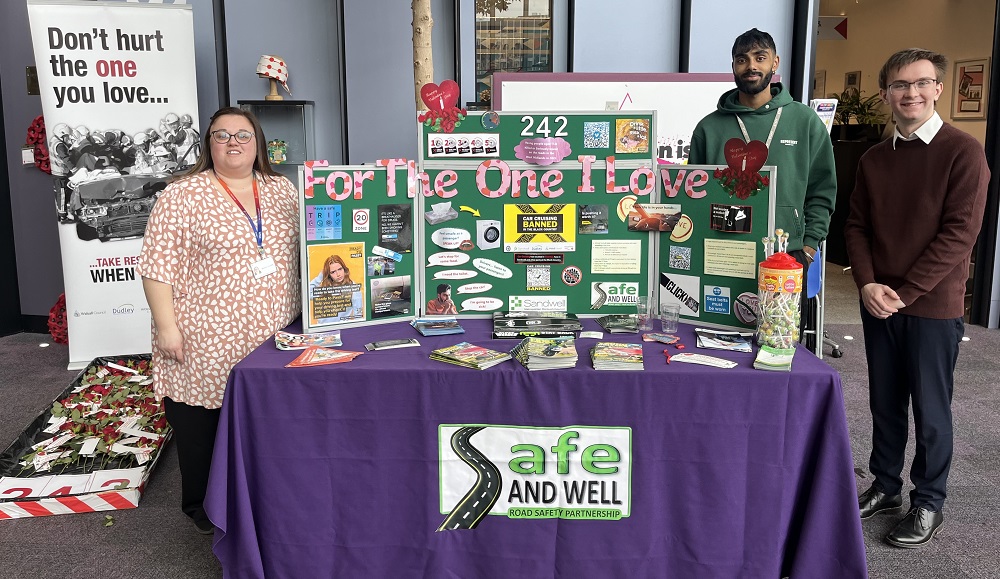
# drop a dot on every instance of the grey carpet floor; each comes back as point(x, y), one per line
point(156, 540)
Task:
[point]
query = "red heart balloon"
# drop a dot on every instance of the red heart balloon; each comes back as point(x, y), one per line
point(745, 157)
point(440, 98)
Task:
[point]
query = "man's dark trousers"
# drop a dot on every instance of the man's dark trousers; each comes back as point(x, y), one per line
point(911, 357)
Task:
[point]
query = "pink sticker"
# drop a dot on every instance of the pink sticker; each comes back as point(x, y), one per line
point(543, 151)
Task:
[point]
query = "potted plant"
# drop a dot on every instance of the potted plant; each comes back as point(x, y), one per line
point(866, 112)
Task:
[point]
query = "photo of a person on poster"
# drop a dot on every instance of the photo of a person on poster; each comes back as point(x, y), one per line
point(334, 296)
point(442, 304)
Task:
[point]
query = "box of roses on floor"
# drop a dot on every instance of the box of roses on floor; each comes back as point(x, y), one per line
point(93, 449)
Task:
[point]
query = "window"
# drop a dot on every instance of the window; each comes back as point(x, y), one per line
point(511, 36)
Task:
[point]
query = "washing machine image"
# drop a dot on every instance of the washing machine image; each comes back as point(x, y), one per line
point(487, 233)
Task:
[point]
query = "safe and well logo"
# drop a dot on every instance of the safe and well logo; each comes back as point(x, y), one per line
point(524, 472)
point(613, 293)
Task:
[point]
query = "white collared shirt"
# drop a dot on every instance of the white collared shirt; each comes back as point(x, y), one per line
point(925, 133)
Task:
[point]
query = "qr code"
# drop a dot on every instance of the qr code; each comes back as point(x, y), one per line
point(680, 257)
point(596, 135)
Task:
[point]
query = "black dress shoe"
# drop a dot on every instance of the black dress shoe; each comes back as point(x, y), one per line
point(873, 501)
point(204, 526)
point(916, 529)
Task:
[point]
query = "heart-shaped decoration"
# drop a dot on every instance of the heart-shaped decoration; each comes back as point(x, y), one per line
point(745, 157)
point(440, 97)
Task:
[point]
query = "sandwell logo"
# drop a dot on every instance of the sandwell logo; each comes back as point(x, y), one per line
point(537, 303)
point(123, 310)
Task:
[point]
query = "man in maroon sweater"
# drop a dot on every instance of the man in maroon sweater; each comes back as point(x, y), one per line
point(915, 213)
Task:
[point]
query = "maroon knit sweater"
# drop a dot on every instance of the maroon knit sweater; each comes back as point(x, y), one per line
point(915, 215)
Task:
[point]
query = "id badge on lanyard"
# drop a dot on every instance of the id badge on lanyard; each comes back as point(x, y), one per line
point(264, 266)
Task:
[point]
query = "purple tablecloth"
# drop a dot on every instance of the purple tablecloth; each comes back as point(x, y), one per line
point(332, 471)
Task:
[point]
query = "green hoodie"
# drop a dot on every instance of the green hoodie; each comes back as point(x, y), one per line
point(801, 150)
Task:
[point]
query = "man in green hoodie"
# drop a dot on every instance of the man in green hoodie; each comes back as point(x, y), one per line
point(798, 145)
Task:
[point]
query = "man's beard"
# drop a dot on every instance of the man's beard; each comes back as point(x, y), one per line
point(752, 87)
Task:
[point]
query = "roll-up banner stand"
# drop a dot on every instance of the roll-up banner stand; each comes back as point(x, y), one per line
point(118, 92)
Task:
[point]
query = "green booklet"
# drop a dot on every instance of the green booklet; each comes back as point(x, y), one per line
point(775, 359)
point(616, 356)
point(619, 323)
point(469, 355)
point(546, 353)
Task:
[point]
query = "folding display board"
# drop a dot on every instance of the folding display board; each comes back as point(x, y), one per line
point(529, 211)
point(357, 246)
point(708, 262)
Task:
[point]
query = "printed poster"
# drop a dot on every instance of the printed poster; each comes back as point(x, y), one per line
point(395, 227)
point(336, 283)
point(539, 227)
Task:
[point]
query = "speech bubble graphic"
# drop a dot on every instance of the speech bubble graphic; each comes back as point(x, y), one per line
point(543, 151)
point(474, 288)
point(482, 304)
point(448, 258)
point(450, 237)
point(455, 274)
point(490, 267)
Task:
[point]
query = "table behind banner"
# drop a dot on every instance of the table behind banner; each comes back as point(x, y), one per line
point(342, 471)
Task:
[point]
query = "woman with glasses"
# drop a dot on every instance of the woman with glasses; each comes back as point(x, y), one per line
point(219, 267)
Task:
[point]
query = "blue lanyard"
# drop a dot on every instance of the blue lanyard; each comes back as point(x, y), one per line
point(258, 228)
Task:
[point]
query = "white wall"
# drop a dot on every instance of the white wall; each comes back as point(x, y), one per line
point(715, 24)
point(306, 35)
point(626, 36)
point(380, 94)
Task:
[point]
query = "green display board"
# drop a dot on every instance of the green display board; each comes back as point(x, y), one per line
point(523, 211)
point(708, 262)
point(358, 246)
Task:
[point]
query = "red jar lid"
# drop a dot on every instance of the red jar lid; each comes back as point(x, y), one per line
point(781, 260)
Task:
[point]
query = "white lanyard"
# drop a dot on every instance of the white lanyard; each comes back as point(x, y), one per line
point(774, 126)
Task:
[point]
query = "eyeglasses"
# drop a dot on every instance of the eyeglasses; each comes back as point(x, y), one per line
point(900, 86)
point(222, 136)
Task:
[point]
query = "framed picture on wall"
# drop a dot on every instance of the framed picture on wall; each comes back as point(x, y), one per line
point(968, 96)
point(852, 80)
point(819, 85)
